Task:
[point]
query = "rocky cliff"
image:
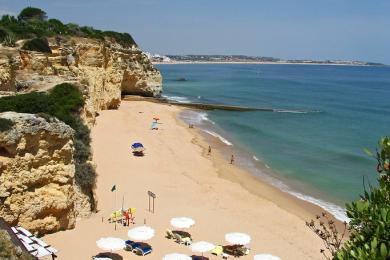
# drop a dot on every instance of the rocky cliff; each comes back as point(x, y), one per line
point(103, 70)
point(37, 187)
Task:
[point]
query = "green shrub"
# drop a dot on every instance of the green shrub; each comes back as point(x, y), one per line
point(5, 124)
point(37, 44)
point(85, 175)
point(32, 13)
point(3, 34)
point(32, 23)
point(9, 41)
point(370, 216)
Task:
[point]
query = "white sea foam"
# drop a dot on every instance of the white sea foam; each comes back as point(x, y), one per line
point(337, 211)
point(222, 139)
point(177, 99)
point(292, 111)
point(255, 158)
point(296, 111)
point(196, 118)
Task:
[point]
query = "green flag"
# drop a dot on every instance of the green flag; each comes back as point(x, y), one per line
point(113, 188)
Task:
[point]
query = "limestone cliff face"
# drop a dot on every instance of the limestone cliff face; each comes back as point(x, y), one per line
point(37, 170)
point(103, 69)
point(37, 188)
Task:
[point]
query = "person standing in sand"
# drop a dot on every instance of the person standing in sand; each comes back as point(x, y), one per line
point(232, 159)
point(209, 152)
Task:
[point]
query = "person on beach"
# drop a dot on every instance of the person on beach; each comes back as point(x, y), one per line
point(232, 159)
point(127, 218)
point(209, 152)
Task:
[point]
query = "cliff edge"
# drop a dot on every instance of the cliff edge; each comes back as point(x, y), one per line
point(103, 69)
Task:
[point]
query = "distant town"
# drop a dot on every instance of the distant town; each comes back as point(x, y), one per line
point(158, 58)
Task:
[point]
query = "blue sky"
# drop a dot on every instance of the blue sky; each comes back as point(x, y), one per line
point(312, 29)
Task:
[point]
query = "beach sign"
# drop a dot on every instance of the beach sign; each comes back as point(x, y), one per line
point(153, 196)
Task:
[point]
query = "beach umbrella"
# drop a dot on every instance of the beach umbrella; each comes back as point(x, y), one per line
point(176, 256)
point(202, 247)
point(137, 147)
point(236, 238)
point(182, 222)
point(265, 257)
point(111, 243)
point(141, 233)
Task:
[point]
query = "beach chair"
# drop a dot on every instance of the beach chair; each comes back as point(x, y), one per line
point(195, 257)
point(183, 240)
point(142, 249)
point(169, 234)
point(218, 250)
point(244, 250)
point(130, 245)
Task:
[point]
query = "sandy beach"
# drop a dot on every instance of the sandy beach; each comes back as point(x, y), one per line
point(220, 197)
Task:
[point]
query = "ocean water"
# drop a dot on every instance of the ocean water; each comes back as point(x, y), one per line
point(313, 145)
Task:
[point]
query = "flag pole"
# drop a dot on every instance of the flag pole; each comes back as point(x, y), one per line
point(123, 201)
point(115, 208)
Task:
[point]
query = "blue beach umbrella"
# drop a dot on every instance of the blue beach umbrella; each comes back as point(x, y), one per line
point(137, 147)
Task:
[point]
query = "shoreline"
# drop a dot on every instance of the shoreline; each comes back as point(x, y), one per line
point(304, 209)
point(299, 198)
point(220, 197)
point(261, 62)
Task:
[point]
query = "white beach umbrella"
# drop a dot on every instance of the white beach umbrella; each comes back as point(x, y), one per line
point(266, 257)
point(141, 233)
point(236, 238)
point(111, 243)
point(176, 256)
point(202, 247)
point(182, 222)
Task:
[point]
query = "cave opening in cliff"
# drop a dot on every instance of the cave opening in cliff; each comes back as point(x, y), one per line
point(4, 152)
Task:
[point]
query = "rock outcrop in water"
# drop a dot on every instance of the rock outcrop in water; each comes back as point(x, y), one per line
point(37, 187)
point(103, 70)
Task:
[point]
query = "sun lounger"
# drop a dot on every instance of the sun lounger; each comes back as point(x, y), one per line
point(195, 257)
point(130, 245)
point(169, 234)
point(24, 231)
point(142, 249)
point(183, 240)
point(14, 230)
point(29, 248)
point(218, 250)
point(39, 242)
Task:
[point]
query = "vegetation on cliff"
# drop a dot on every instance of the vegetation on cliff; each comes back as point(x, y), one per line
point(5, 124)
point(37, 44)
point(369, 225)
point(33, 23)
point(63, 102)
point(370, 216)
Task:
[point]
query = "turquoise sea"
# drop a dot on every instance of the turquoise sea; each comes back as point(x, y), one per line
point(313, 146)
